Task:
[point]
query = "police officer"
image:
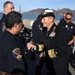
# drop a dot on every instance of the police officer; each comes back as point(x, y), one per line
point(35, 59)
point(65, 36)
point(8, 7)
point(48, 43)
point(37, 32)
point(11, 50)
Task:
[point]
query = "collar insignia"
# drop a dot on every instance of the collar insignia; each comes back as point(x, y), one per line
point(40, 27)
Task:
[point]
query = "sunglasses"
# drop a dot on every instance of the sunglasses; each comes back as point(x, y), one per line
point(67, 18)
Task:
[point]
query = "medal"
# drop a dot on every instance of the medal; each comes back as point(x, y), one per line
point(52, 34)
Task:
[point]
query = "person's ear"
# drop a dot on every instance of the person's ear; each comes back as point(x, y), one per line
point(15, 25)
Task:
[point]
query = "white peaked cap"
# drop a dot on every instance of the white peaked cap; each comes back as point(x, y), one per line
point(48, 11)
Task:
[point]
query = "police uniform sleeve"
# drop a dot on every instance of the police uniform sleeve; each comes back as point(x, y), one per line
point(34, 32)
point(74, 30)
point(1, 57)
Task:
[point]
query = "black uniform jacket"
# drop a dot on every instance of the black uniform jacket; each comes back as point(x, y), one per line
point(2, 22)
point(37, 31)
point(11, 60)
point(64, 33)
point(49, 41)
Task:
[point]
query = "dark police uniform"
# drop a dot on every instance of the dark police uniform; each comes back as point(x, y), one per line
point(37, 33)
point(2, 23)
point(37, 30)
point(11, 59)
point(64, 33)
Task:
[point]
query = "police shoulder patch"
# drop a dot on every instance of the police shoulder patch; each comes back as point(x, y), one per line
point(17, 53)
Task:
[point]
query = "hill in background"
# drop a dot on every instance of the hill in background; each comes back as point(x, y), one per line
point(61, 11)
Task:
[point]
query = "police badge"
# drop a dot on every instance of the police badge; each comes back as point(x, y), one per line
point(17, 53)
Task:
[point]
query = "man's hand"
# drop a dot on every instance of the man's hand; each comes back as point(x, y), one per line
point(41, 54)
point(30, 46)
point(71, 42)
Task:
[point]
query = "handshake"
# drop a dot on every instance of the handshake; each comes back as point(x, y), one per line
point(38, 48)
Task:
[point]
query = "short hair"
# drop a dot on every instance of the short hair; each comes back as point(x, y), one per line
point(12, 18)
point(69, 13)
point(7, 3)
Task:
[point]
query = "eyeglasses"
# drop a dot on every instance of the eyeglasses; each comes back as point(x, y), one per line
point(67, 18)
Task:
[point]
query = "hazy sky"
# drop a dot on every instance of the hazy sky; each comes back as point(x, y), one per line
point(33, 4)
